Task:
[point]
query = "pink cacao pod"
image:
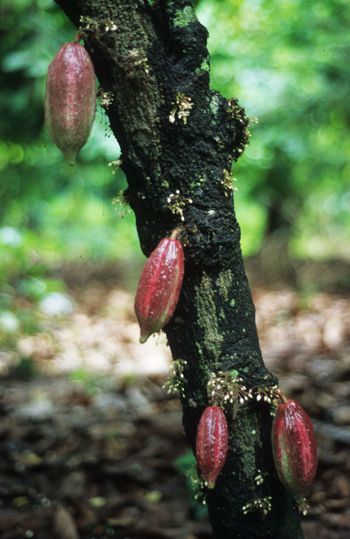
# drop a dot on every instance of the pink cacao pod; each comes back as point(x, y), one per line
point(211, 444)
point(70, 101)
point(294, 447)
point(159, 286)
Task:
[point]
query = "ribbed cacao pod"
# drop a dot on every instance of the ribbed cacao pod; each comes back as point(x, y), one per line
point(70, 101)
point(294, 447)
point(211, 444)
point(159, 287)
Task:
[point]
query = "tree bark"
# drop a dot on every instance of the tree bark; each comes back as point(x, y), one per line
point(179, 139)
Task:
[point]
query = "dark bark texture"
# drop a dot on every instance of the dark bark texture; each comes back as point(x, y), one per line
point(179, 139)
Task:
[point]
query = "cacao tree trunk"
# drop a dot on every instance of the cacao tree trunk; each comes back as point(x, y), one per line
point(179, 139)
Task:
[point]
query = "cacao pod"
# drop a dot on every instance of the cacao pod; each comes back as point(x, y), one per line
point(294, 447)
point(211, 444)
point(70, 101)
point(159, 287)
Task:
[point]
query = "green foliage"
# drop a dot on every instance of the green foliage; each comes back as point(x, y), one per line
point(286, 60)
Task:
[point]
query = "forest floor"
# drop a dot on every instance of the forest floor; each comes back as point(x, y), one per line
point(92, 446)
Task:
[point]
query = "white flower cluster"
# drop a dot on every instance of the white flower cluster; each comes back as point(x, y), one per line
point(175, 383)
point(259, 478)
point(263, 505)
point(106, 99)
point(92, 25)
point(114, 165)
point(225, 388)
point(303, 507)
point(270, 395)
point(181, 109)
point(177, 203)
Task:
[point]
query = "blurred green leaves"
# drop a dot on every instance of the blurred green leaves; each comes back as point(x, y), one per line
point(287, 61)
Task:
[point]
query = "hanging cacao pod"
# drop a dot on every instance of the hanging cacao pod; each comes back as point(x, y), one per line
point(70, 101)
point(294, 447)
point(211, 444)
point(159, 286)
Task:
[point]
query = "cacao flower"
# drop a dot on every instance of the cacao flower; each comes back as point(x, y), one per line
point(294, 447)
point(159, 286)
point(211, 443)
point(70, 101)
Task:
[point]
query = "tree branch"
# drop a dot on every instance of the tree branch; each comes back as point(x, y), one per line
point(179, 139)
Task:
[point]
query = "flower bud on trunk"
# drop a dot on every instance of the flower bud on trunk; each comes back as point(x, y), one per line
point(211, 444)
point(159, 287)
point(70, 101)
point(294, 447)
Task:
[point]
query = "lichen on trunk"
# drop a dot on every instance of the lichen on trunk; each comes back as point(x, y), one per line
point(179, 139)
